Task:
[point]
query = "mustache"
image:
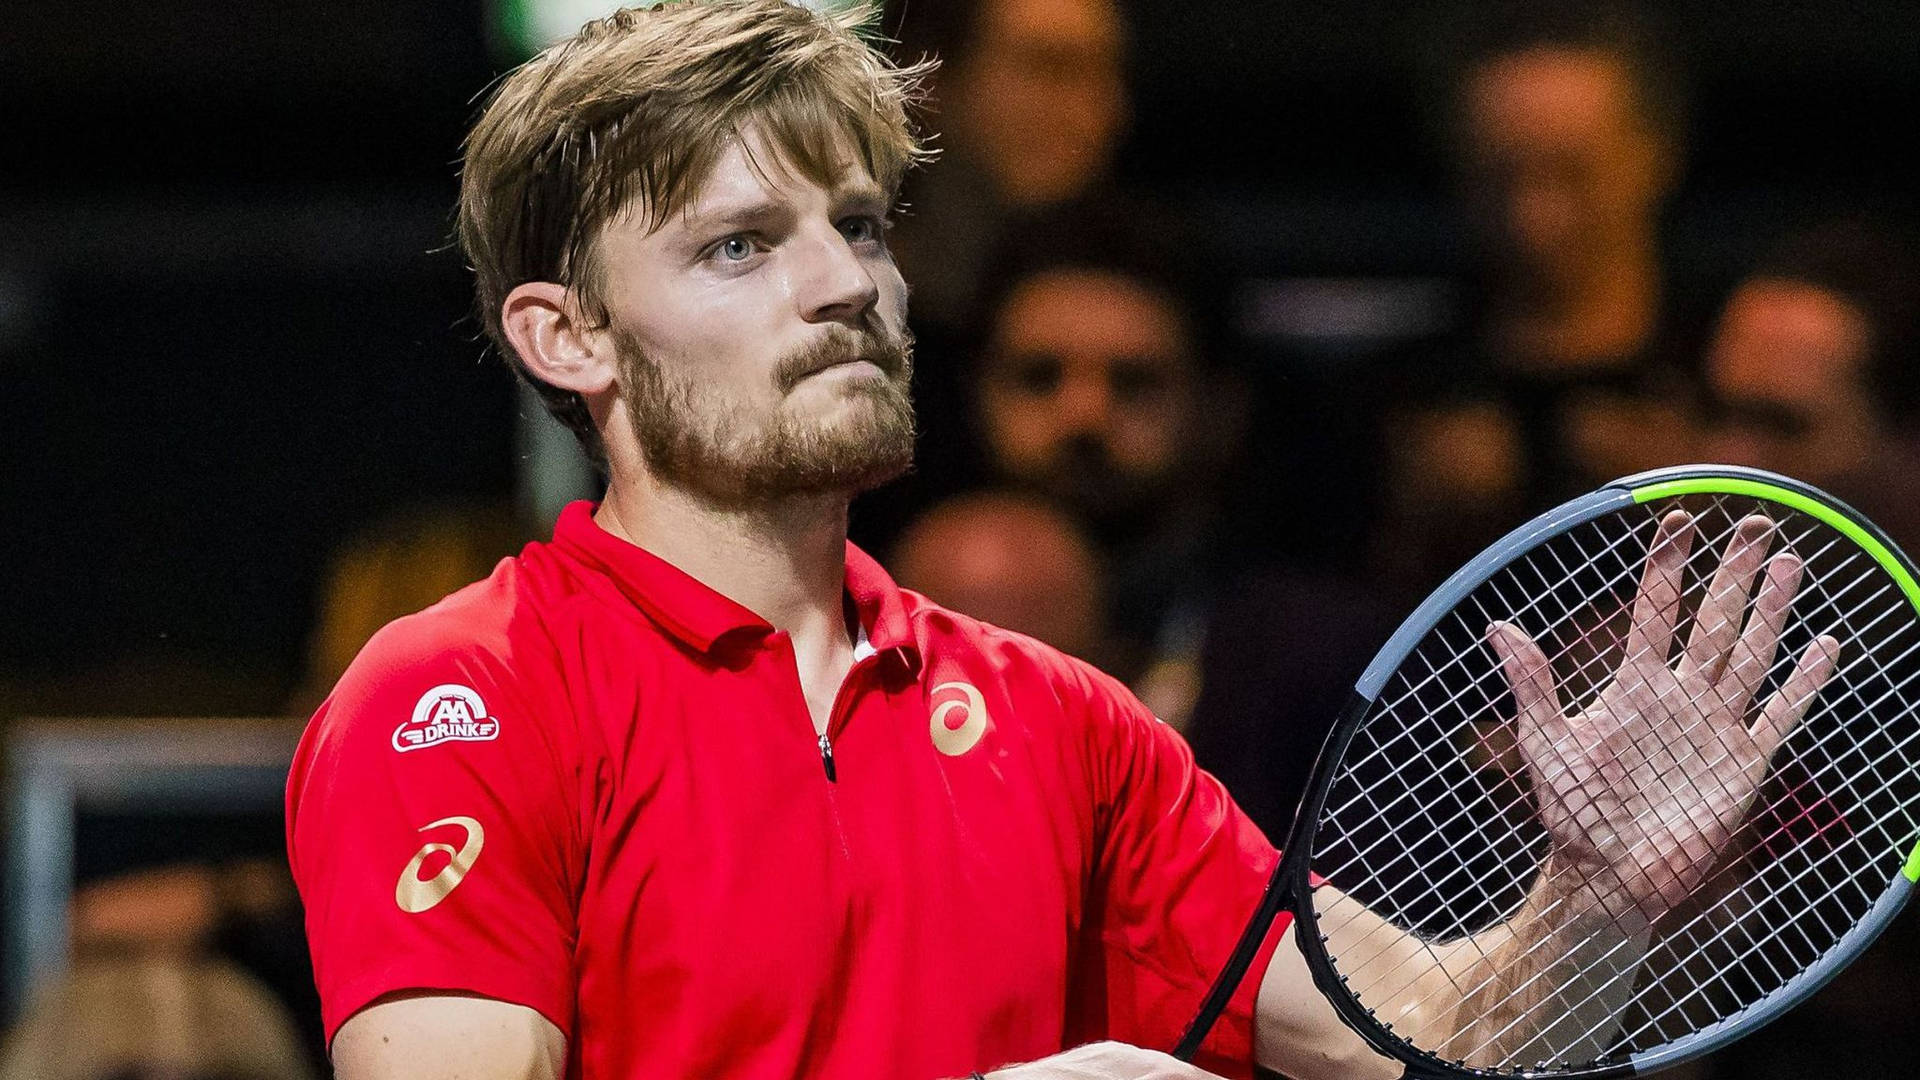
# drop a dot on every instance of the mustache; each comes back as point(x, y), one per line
point(892, 354)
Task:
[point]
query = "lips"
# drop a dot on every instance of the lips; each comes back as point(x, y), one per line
point(838, 352)
point(846, 363)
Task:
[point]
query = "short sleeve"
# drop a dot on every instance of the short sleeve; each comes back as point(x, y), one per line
point(432, 829)
point(1181, 870)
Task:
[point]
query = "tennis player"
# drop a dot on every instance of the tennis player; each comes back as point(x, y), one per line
point(693, 790)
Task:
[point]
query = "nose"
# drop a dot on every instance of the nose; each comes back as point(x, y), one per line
point(1084, 404)
point(832, 283)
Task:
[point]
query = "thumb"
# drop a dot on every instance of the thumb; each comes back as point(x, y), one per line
point(1528, 674)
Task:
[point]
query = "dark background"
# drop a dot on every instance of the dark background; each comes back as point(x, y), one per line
point(233, 334)
point(231, 331)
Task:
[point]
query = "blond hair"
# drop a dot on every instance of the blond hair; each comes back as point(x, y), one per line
point(629, 116)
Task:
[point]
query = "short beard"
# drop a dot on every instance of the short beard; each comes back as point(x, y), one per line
point(720, 452)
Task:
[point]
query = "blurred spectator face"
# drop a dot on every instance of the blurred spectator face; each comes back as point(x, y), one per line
point(1787, 367)
point(1089, 391)
point(1467, 453)
point(1040, 97)
point(154, 1015)
point(1564, 168)
point(1454, 483)
point(1012, 561)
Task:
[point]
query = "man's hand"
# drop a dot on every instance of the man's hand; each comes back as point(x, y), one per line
point(1104, 1061)
point(1643, 788)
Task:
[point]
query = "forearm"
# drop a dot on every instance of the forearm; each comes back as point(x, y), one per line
point(1549, 983)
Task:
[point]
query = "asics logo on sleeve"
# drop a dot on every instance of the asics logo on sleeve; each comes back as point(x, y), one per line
point(446, 713)
point(959, 721)
point(415, 895)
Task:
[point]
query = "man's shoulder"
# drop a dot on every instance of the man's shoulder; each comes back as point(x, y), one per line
point(946, 635)
point(479, 666)
point(479, 619)
point(490, 637)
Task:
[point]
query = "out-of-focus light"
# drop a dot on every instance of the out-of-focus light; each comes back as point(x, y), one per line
point(1346, 316)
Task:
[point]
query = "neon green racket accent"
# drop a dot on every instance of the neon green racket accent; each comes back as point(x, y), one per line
point(1913, 865)
point(1724, 485)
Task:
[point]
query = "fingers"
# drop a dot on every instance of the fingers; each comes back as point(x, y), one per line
point(1747, 667)
point(1528, 674)
point(1784, 709)
point(1657, 608)
point(1107, 1060)
point(1717, 625)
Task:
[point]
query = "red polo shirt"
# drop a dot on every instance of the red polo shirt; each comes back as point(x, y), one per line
point(590, 785)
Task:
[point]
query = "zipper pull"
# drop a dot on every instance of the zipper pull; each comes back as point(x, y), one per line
point(826, 758)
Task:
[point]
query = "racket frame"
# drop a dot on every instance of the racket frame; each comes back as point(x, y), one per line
point(1289, 888)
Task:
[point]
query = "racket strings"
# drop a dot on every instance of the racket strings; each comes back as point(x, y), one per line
point(1459, 659)
point(1755, 952)
point(1781, 977)
point(1453, 700)
point(1569, 949)
point(1464, 847)
point(1776, 804)
point(1811, 905)
point(1389, 976)
point(1377, 808)
point(1784, 662)
point(1518, 795)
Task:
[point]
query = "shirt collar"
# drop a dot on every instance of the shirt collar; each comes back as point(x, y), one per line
point(882, 612)
point(699, 616)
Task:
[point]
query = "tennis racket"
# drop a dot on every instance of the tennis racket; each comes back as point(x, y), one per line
point(1772, 630)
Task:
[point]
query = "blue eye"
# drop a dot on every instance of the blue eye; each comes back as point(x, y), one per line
point(861, 230)
point(735, 249)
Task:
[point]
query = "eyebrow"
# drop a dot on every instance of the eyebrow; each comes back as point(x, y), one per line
point(747, 214)
point(758, 212)
point(862, 194)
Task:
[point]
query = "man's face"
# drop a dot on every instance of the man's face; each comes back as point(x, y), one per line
point(1786, 367)
point(1042, 96)
point(1089, 391)
point(762, 333)
point(1560, 163)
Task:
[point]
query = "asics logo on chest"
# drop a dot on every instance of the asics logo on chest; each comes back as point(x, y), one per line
point(959, 717)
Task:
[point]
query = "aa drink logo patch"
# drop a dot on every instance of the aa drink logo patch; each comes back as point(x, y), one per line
point(448, 713)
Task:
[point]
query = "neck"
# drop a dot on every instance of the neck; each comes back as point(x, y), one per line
point(1597, 321)
point(785, 563)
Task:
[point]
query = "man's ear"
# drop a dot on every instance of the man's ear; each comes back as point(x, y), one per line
point(548, 330)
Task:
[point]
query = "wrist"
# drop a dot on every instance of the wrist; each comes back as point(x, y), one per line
point(1573, 894)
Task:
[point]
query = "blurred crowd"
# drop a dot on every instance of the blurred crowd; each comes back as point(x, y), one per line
point(1110, 464)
